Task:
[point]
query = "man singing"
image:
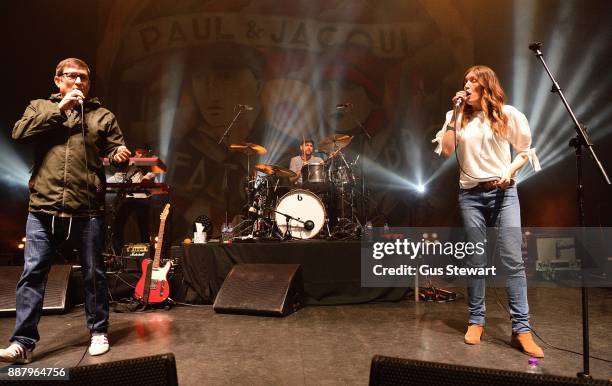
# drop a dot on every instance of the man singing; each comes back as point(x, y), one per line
point(70, 133)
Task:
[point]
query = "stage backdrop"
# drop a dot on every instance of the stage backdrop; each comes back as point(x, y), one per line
point(174, 72)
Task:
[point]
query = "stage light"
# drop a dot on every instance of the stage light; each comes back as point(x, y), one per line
point(290, 112)
point(550, 123)
point(13, 170)
point(21, 245)
point(449, 163)
point(389, 179)
point(174, 72)
point(23, 240)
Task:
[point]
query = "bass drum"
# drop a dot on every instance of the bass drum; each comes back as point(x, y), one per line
point(305, 206)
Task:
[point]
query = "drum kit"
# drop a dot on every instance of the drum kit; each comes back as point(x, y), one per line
point(279, 209)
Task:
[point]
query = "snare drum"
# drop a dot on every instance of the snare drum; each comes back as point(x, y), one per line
point(314, 177)
point(304, 206)
point(313, 173)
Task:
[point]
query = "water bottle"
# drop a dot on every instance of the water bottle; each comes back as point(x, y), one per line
point(368, 231)
point(230, 234)
point(532, 366)
point(386, 228)
point(225, 233)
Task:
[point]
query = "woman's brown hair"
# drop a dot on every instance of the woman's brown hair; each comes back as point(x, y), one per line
point(492, 100)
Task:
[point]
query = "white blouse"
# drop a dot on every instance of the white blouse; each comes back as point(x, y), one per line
point(484, 154)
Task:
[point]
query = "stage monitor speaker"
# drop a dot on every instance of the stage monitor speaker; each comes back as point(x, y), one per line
point(397, 371)
point(56, 293)
point(152, 370)
point(261, 289)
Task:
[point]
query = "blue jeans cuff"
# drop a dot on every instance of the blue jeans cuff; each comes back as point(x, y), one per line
point(520, 328)
point(479, 321)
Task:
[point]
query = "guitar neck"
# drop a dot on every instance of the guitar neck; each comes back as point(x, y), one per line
point(160, 243)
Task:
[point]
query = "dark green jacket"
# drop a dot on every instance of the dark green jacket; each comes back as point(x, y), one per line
point(68, 175)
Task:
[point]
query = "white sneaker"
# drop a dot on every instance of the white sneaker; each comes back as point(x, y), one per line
point(99, 344)
point(16, 353)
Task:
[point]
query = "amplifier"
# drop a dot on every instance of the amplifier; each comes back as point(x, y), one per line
point(132, 255)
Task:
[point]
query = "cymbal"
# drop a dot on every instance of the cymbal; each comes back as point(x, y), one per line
point(248, 148)
point(335, 142)
point(274, 170)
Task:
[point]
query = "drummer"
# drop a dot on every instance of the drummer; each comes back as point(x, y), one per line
point(305, 158)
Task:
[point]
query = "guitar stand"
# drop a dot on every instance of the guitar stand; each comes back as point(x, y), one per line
point(165, 305)
point(134, 305)
point(131, 305)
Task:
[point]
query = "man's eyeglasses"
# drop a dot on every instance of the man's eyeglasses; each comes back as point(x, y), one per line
point(74, 75)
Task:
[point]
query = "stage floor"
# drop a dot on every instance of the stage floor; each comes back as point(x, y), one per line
point(331, 344)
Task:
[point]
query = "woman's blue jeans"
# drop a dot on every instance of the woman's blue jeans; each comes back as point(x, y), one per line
point(498, 209)
point(43, 236)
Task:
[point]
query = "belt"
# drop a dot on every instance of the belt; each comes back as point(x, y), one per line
point(485, 186)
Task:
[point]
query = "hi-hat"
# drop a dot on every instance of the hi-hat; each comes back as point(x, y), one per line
point(274, 170)
point(248, 148)
point(334, 142)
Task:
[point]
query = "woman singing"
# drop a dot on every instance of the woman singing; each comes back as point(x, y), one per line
point(481, 129)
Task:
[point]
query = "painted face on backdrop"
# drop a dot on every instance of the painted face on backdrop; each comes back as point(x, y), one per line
point(349, 74)
point(288, 105)
point(217, 91)
point(73, 78)
point(335, 92)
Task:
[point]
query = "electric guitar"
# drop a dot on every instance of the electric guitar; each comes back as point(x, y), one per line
point(153, 287)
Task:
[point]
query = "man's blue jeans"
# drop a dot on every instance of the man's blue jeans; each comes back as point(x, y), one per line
point(499, 209)
point(44, 233)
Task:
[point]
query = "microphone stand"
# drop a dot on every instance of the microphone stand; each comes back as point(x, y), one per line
point(366, 137)
point(288, 234)
point(578, 142)
point(226, 134)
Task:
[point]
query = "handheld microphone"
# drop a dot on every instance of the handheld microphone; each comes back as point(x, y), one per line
point(461, 101)
point(245, 107)
point(344, 106)
point(79, 98)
